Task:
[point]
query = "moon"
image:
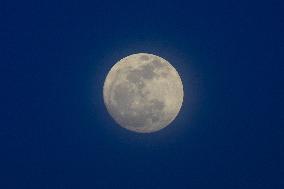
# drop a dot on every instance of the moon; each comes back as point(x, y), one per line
point(143, 93)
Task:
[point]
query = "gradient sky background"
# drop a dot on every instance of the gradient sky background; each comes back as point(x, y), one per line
point(56, 133)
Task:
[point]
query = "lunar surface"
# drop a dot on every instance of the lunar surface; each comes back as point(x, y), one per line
point(143, 93)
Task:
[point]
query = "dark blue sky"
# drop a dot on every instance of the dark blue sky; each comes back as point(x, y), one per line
point(56, 133)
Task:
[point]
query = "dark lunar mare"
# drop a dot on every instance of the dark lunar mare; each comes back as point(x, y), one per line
point(125, 93)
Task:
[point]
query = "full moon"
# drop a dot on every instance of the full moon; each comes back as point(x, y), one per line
point(143, 93)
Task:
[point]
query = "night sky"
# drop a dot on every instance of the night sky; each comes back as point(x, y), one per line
point(55, 132)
